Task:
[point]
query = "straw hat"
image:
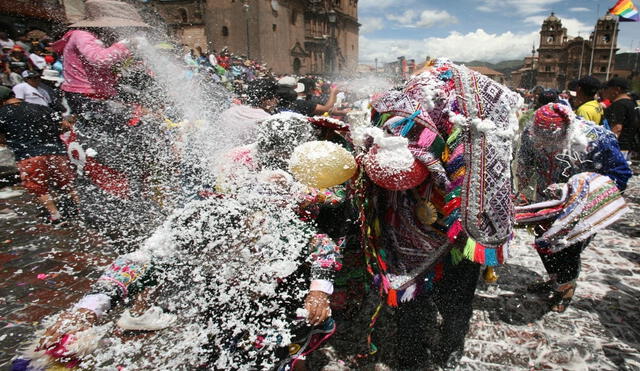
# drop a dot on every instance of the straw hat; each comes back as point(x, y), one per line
point(110, 13)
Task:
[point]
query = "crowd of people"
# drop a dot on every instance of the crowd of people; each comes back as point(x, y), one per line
point(398, 190)
point(610, 104)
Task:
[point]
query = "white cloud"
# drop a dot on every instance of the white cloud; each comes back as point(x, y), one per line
point(574, 26)
point(476, 45)
point(430, 18)
point(535, 19)
point(371, 24)
point(578, 9)
point(522, 7)
point(404, 19)
point(425, 19)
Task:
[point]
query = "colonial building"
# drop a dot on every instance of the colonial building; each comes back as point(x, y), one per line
point(562, 58)
point(489, 72)
point(43, 16)
point(183, 19)
point(290, 36)
point(524, 77)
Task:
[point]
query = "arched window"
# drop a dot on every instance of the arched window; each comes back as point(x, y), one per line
point(225, 31)
point(296, 66)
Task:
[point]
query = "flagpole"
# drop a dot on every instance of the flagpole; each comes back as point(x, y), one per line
point(594, 41)
point(581, 59)
point(613, 42)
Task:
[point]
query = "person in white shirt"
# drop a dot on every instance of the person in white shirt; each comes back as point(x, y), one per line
point(30, 90)
point(37, 59)
point(5, 41)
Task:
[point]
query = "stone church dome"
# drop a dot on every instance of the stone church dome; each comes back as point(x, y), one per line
point(552, 18)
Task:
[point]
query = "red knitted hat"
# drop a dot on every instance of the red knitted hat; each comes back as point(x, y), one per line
point(551, 117)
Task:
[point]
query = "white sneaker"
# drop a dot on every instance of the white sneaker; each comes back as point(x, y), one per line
point(151, 320)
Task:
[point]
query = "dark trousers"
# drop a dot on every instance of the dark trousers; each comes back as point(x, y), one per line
point(565, 264)
point(417, 320)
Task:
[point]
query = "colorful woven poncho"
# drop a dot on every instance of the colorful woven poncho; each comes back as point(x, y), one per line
point(460, 125)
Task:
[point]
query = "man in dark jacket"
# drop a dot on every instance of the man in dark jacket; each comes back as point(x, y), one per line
point(622, 115)
point(32, 132)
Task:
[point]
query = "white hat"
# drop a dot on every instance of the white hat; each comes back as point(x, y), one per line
point(52, 75)
point(291, 82)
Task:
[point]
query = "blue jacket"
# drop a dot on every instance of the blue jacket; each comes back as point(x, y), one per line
point(538, 169)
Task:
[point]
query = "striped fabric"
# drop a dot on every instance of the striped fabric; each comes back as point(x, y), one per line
point(626, 11)
point(593, 202)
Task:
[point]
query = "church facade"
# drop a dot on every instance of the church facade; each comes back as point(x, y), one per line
point(562, 58)
point(290, 36)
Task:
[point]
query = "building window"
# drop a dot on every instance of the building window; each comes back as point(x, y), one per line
point(548, 56)
point(551, 39)
point(225, 31)
point(274, 27)
point(294, 17)
point(603, 69)
point(296, 66)
point(337, 3)
point(606, 39)
point(547, 69)
point(182, 14)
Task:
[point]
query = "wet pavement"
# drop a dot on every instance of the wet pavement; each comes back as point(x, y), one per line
point(599, 331)
point(43, 269)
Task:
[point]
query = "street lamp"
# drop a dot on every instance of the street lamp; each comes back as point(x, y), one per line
point(332, 18)
point(331, 14)
point(245, 5)
point(533, 64)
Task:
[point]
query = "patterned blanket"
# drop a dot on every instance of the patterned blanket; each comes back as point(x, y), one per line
point(588, 203)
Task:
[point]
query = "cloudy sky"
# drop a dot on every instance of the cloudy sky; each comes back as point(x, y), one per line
point(465, 30)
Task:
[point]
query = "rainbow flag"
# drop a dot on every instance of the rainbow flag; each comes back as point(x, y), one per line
point(626, 11)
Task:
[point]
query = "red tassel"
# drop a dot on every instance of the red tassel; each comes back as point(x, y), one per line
point(392, 298)
point(452, 205)
point(382, 264)
point(439, 272)
point(478, 254)
point(500, 255)
point(454, 231)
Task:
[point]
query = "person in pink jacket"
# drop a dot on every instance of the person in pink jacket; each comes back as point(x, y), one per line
point(88, 62)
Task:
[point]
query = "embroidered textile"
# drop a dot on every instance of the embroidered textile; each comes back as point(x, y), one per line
point(592, 203)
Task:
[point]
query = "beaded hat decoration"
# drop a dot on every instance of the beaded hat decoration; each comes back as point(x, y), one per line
point(551, 117)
